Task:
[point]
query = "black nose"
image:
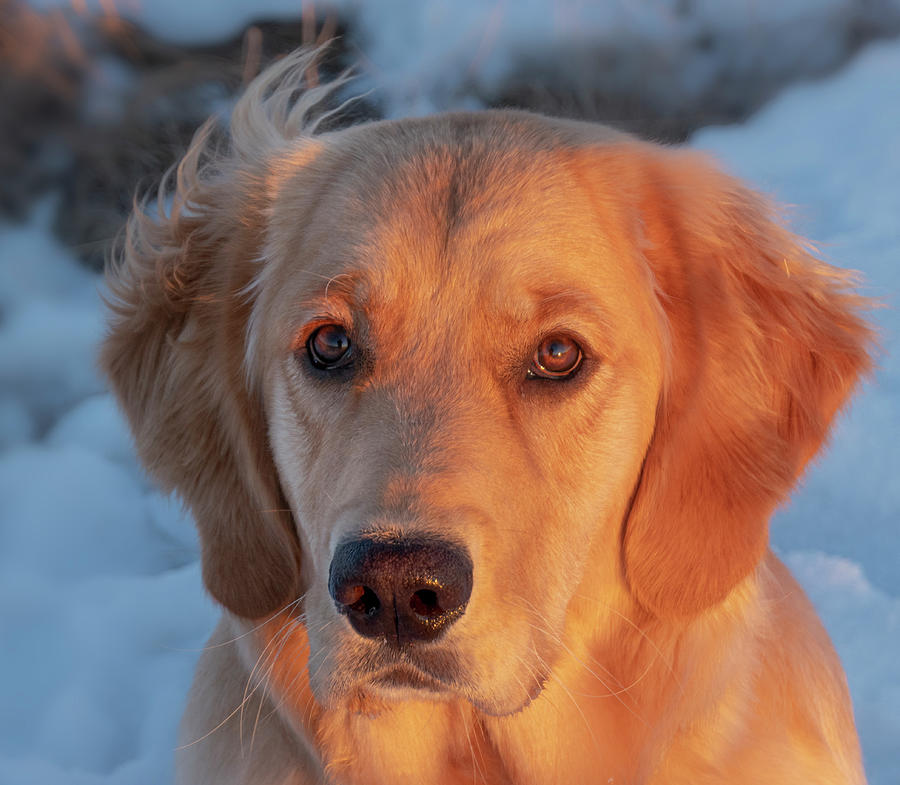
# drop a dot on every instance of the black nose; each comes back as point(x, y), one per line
point(405, 589)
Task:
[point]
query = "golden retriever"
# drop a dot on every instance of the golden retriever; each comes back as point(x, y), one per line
point(482, 418)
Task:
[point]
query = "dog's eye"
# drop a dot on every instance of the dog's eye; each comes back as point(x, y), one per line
point(329, 347)
point(557, 357)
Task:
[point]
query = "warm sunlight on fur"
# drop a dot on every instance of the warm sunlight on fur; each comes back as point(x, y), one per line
point(482, 418)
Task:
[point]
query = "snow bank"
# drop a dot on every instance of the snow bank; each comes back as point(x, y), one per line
point(101, 604)
point(864, 624)
point(427, 56)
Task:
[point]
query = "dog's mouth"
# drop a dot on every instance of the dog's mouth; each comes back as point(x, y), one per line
point(404, 681)
point(403, 677)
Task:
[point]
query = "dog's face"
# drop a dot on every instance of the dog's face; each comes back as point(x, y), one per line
point(449, 349)
point(449, 379)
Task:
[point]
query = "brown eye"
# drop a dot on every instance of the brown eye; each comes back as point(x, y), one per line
point(557, 357)
point(329, 347)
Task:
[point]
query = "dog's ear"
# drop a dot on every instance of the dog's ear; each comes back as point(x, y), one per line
point(181, 294)
point(764, 345)
point(174, 356)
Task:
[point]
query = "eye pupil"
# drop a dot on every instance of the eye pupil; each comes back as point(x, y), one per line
point(556, 358)
point(329, 347)
point(557, 349)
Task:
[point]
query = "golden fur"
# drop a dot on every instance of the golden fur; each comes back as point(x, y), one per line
point(627, 622)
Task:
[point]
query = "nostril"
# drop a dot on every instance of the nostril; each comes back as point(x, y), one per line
point(425, 603)
point(360, 599)
point(368, 603)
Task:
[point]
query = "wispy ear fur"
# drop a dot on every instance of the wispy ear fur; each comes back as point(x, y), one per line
point(179, 283)
point(766, 344)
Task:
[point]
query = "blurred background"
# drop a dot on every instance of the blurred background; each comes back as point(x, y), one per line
point(102, 611)
point(100, 98)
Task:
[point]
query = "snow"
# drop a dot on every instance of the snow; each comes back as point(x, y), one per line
point(102, 610)
point(101, 604)
point(424, 56)
point(864, 624)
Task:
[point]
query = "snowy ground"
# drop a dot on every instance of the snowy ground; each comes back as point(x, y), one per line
point(101, 606)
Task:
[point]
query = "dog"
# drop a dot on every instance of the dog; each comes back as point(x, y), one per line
point(482, 418)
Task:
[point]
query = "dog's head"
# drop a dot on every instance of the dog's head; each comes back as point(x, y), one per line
point(443, 377)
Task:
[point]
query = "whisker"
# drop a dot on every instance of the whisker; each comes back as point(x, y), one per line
point(211, 732)
point(584, 718)
point(286, 690)
point(644, 635)
point(247, 696)
point(559, 640)
point(255, 725)
point(477, 771)
point(285, 629)
point(611, 693)
point(210, 647)
point(231, 714)
point(266, 678)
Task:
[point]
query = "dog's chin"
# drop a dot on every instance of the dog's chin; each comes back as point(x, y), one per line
point(395, 685)
point(403, 678)
point(506, 709)
point(401, 684)
point(366, 676)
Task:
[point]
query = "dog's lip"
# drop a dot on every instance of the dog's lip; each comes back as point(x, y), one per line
point(407, 677)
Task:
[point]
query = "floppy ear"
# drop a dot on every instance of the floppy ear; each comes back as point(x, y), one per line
point(182, 291)
point(174, 357)
point(765, 344)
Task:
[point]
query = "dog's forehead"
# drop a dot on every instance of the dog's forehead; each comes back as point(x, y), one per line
point(483, 208)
